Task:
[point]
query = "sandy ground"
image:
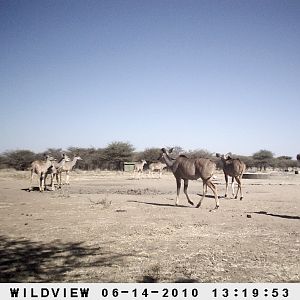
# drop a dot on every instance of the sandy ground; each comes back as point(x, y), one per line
point(111, 227)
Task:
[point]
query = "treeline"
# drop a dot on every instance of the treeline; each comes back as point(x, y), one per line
point(115, 154)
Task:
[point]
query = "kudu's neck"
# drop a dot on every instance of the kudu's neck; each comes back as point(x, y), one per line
point(168, 160)
point(73, 163)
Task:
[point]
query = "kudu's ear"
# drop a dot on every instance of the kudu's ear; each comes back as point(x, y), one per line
point(171, 150)
point(163, 150)
point(228, 155)
point(218, 155)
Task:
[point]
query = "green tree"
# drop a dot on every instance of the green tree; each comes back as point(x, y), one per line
point(117, 153)
point(19, 159)
point(263, 159)
point(150, 155)
point(199, 153)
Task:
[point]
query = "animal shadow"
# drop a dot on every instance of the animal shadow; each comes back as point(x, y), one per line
point(159, 204)
point(277, 215)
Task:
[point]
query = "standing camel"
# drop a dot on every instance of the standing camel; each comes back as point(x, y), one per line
point(234, 168)
point(191, 169)
point(40, 168)
point(67, 167)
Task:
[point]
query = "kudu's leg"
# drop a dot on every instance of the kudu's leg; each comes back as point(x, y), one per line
point(186, 184)
point(31, 177)
point(214, 190)
point(60, 179)
point(42, 182)
point(204, 193)
point(232, 186)
point(67, 178)
point(57, 180)
point(226, 180)
point(178, 182)
point(239, 182)
point(52, 182)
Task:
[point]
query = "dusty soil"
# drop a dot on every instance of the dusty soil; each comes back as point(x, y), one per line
point(111, 227)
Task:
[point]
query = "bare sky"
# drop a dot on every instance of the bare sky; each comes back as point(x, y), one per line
point(216, 75)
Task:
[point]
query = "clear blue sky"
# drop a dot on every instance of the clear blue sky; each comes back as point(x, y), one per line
point(216, 75)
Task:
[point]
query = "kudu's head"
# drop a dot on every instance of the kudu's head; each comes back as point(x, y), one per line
point(77, 157)
point(165, 153)
point(226, 156)
point(65, 157)
point(49, 157)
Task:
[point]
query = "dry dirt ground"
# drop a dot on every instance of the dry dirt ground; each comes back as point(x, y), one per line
point(110, 227)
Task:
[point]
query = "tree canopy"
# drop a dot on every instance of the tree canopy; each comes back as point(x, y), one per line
point(115, 154)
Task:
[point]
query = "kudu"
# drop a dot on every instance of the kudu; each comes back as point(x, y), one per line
point(156, 166)
point(191, 169)
point(54, 170)
point(139, 167)
point(40, 168)
point(234, 168)
point(67, 167)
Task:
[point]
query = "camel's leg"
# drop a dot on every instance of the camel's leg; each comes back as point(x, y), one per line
point(186, 184)
point(178, 182)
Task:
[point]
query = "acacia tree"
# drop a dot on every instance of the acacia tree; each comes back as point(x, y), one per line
point(19, 159)
point(199, 153)
point(263, 159)
point(150, 155)
point(117, 153)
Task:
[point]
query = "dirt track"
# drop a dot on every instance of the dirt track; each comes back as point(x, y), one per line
point(109, 227)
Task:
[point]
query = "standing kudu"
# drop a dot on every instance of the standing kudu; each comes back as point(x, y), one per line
point(54, 170)
point(191, 169)
point(66, 167)
point(139, 167)
point(40, 168)
point(156, 166)
point(234, 168)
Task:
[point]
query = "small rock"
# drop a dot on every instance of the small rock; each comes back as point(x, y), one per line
point(249, 216)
